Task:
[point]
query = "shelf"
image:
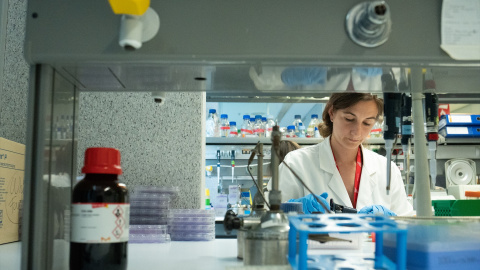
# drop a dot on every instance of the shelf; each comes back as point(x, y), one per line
point(268, 141)
point(443, 140)
point(311, 141)
point(253, 141)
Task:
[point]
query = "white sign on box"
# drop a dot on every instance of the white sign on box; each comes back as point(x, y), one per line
point(12, 164)
point(233, 194)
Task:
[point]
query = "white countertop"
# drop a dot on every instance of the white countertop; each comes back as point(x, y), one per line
point(216, 254)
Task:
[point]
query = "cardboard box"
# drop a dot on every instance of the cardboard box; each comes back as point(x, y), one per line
point(12, 167)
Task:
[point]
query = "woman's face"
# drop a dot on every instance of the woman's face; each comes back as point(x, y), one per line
point(352, 125)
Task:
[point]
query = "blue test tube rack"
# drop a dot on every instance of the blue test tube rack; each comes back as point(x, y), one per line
point(302, 226)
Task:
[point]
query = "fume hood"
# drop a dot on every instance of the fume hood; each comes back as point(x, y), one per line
point(238, 49)
point(229, 50)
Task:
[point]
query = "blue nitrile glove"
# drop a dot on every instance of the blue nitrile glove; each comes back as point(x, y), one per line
point(368, 72)
point(295, 76)
point(376, 210)
point(310, 204)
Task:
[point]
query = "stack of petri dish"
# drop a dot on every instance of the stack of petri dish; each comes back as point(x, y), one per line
point(191, 224)
point(149, 206)
point(149, 234)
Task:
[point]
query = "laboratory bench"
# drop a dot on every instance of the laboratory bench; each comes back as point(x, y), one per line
point(219, 254)
point(216, 254)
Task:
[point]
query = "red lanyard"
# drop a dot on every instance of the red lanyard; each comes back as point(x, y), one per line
point(358, 174)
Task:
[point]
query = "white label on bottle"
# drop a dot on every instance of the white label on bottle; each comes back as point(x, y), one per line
point(99, 222)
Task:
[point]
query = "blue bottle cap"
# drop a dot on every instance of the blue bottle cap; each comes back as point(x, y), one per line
point(314, 115)
point(291, 128)
point(246, 116)
point(212, 111)
point(224, 116)
point(264, 119)
point(233, 123)
point(298, 116)
point(258, 116)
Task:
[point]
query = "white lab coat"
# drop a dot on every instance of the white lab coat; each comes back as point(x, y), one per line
point(316, 167)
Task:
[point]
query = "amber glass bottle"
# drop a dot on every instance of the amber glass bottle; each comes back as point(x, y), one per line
point(100, 214)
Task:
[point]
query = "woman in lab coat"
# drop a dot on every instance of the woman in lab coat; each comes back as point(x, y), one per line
point(340, 167)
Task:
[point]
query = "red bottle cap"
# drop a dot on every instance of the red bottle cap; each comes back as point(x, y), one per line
point(102, 160)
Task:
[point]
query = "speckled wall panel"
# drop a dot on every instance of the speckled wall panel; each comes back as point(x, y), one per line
point(14, 87)
point(160, 145)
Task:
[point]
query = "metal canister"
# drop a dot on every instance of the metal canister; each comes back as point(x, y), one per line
point(241, 234)
point(267, 243)
point(248, 223)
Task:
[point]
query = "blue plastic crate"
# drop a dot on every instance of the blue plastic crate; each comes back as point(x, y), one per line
point(304, 225)
point(439, 243)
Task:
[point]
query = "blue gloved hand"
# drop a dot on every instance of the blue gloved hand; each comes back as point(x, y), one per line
point(310, 204)
point(376, 210)
point(298, 76)
point(368, 72)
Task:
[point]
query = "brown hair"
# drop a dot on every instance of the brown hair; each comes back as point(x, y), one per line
point(287, 146)
point(339, 101)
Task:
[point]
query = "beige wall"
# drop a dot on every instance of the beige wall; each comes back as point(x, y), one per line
point(465, 108)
